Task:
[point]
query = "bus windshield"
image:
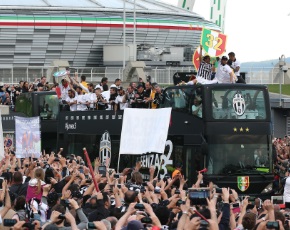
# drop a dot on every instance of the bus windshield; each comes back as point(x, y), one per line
point(238, 104)
point(238, 154)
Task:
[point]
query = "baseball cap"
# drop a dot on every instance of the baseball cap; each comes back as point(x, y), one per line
point(224, 58)
point(134, 225)
point(121, 88)
point(139, 86)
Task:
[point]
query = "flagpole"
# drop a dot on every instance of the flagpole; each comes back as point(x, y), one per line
point(134, 32)
point(124, 34)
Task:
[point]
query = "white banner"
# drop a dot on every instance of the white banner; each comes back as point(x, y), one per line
point(1, 139)
point(144, 131)
point(28, 138)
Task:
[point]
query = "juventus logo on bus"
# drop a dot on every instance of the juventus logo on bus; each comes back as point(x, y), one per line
point(239, 104)
point(105, 148)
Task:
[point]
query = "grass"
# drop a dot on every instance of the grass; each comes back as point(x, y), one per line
point(275, 89)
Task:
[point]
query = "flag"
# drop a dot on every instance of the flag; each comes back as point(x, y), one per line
point(214, 43)
point(1, 139)
point(138, 137)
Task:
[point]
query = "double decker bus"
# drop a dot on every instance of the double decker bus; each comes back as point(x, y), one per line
point(224, 128)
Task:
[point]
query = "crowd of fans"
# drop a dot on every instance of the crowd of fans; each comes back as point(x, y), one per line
point(54, 192)
point(80, 96)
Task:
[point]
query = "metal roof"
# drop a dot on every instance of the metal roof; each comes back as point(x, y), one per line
point(148, 6)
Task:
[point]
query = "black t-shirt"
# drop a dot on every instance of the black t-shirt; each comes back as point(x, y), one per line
point(140, 100)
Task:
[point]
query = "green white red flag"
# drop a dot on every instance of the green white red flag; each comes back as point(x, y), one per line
point(213, 43)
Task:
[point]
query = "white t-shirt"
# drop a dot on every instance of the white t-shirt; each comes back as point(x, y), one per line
point(119, 100)
point(81, 100)
point(223, 73)
point(74, 106)
point(91, 97)
point(236, 64)
point(287, 190)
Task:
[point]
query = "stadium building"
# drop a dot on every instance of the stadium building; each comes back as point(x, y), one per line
point(36, 32)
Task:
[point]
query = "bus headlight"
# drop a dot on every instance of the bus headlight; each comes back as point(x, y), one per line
point(268, 188)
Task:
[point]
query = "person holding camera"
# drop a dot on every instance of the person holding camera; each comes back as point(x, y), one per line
point(60, 214)
point(129, 97)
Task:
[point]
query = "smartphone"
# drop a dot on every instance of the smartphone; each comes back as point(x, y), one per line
point(219, 190)
point(272, 224)
point(119, 186)
point(236, 205)
point(9, 222)
point(103, 170)
point(116, 176)
point(198, 196)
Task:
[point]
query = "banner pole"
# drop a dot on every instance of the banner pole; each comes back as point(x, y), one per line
point(91, 169)
point(118, 163)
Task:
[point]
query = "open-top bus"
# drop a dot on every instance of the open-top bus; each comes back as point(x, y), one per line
point(224, 128)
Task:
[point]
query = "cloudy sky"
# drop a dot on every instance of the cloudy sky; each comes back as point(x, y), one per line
point(257, 30)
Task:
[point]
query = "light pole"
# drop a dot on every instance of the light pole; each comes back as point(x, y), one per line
point(283, 68)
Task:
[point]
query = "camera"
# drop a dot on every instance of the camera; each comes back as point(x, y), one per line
point(203, 224)
point(116, 176)
point(157, 191)
point(177, 191)
point(91, 225)
point(12, 222)
point(146, 220)
point(180, 202)
point(139, 206)
point(61, 216)
point(236, 205)
point(272, 224)
point(56, 159)
point(88, 181)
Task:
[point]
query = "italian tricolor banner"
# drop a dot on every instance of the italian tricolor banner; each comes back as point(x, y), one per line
point(214, 43)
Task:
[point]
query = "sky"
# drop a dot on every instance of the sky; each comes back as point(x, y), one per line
point(257, 30)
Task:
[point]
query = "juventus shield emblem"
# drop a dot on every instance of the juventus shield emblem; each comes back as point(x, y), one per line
point(239, 104)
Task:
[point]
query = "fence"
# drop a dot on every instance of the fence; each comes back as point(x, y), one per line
point(12, 75)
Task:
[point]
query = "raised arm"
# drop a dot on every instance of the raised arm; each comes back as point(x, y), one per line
point(200, 54)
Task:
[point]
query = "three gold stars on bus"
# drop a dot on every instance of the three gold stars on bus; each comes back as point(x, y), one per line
point(241, 130)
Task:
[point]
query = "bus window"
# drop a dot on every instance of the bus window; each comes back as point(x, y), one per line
point(239, 154)
point(238, 104)
point(48, 107)
point(183, 99)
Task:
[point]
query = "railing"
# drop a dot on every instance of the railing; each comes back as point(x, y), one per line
point(12, 75)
